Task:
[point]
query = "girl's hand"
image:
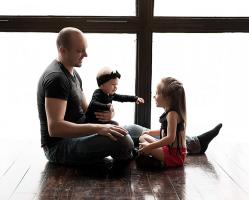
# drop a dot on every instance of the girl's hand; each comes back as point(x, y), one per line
point(144, 148)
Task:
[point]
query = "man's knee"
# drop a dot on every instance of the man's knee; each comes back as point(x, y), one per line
point(135, 132)
point(123, 148)
point(126, 142)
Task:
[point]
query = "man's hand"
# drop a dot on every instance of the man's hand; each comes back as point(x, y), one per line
point(105, 116)
point(112, 131)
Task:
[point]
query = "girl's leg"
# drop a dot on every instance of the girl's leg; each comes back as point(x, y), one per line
point(156, 153)
point(147, 138)
point(195, 145)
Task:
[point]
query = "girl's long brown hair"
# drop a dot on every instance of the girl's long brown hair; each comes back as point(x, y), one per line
point(173, 90)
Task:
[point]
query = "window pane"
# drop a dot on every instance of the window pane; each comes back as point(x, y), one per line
point(201, 8)
point(65, 7)
point(24, 56)
point(117, 51)
point(213, 69)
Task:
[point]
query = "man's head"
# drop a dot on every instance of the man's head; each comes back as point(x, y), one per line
point(71, 45)
point(107, 80)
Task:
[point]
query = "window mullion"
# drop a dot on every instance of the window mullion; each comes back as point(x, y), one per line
point(98, 24)
point(144, 61)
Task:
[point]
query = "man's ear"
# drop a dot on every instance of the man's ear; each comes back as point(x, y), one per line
point(62, 50)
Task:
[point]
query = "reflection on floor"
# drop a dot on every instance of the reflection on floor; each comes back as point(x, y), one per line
point(221, 173)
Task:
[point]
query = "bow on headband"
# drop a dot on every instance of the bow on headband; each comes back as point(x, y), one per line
point(106, 77)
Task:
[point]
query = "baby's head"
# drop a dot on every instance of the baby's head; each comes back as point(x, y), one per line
point(107, 80)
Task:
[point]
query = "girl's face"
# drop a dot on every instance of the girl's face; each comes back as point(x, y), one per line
point(110, 87)
point(160, 100)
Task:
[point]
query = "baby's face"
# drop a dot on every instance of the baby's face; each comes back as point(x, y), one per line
point(110, 86)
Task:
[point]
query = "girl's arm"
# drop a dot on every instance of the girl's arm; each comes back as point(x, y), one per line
point(172, 119)
point(152, 132)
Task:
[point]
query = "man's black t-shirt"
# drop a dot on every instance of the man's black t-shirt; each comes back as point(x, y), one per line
point(57, 82)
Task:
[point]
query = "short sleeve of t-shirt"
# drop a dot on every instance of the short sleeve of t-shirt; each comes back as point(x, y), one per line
point(57, 86)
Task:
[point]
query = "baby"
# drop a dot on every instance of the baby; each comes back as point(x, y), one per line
point(102, 97)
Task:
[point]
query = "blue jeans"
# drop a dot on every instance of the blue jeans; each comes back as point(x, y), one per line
point(92, 149)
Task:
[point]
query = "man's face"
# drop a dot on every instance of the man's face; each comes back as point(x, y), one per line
point(77, 50)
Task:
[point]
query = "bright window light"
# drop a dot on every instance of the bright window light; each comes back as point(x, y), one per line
point(213, 69)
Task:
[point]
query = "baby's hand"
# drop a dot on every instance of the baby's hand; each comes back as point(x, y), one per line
point(139, 100)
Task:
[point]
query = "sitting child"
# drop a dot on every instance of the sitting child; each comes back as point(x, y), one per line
point(102, 97)
point(170, 149)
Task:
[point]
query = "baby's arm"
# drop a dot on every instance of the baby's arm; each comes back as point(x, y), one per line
point(100, 106)
point(127, 98)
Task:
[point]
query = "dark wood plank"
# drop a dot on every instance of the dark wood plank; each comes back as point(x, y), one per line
point(140, 186)
point(162, 186)
point(76, 183)
point(220, 174)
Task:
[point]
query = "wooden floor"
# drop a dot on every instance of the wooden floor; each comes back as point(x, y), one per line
point(222, 173)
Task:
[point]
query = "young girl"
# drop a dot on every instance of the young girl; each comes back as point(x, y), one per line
point(170, 149)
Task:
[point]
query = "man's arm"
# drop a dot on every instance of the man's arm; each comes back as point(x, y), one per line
point(84, 102)
point(58, 127)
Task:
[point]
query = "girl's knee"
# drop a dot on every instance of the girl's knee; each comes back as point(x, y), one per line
point(144, 137)
point(141, 138)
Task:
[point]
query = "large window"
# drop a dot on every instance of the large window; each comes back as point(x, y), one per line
point(199, 8)
point(73, 7)
point(24, 56)
point(118, 52)
point(205, 35)
point(213, 69)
